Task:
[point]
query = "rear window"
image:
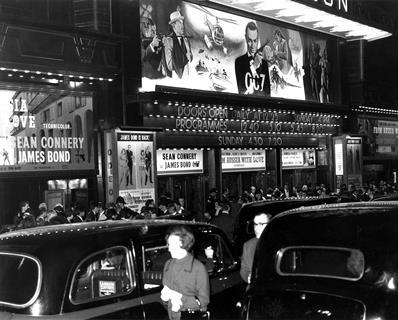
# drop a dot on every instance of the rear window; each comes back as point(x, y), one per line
point(329, 262)
point(20, 279)
point(102, 275)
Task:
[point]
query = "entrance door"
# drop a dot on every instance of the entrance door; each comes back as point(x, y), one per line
point(54, 197)
point(189, 187)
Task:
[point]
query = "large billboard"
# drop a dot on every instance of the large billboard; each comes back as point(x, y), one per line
point(45, 131)
point(192, 46)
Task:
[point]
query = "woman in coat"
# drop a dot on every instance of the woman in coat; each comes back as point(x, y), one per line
point(185, 279)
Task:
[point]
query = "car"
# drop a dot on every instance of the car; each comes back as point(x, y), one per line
point(244, 227)
point(334, 261)
point(105, 270)
point(388, 197)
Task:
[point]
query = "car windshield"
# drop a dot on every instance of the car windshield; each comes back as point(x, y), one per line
point(20, 278)
point(322, 262)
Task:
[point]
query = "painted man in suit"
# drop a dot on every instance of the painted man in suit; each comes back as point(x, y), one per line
point(251, 69)
point(178, 53)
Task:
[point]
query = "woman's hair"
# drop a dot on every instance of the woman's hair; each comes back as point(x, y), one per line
point(186, 236)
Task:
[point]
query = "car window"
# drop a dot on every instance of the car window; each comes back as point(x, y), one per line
point(18, 272)
point(321, 262)
point(154, 257)
point(213, 252)
point(104, 274)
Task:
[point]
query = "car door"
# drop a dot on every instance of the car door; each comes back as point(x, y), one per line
point(151, 254)
point(104, 286)
point(227, 287)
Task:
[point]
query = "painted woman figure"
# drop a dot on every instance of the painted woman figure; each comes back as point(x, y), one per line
point(314, 70)
point(148, 165)
point(123, 168)
point(324, 65)
point(281, 51)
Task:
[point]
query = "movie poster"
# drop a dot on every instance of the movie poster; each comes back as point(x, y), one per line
point(135, 163)
point(192, 46)
point(298, 158)
point(45, 131)
point(379, 136)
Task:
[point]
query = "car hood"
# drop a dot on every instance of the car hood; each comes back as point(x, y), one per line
point(304, 305)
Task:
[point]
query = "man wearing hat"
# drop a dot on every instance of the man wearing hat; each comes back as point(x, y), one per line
point(123, 211)
point(60, 217)
point(177, 48)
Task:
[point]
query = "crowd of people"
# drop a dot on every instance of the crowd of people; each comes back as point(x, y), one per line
point(221, 210)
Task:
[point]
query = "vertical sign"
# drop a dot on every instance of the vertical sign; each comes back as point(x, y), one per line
point(354, 161)
point(135, 163)
point(109, 167)
point(338, 158)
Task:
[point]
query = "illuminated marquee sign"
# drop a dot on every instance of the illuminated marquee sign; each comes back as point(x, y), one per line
point(223, 119)
point(179, 161)
point(298, 158)
point(242, 160)
point(380, 136)
point(239, 127)
point(341, 5)
point(45, 131)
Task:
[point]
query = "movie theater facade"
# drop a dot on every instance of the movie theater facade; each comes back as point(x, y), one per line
point(251, 93)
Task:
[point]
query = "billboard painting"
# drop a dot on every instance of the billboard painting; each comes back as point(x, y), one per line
point(45, 131)
point(192, 46)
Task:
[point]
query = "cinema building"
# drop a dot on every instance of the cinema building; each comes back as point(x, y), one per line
point(57, 66)
point(85, 116)
point(217, 126)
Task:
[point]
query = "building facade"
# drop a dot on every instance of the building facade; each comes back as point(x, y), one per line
point(196, 95)
point(222, 121)
point(58, 64)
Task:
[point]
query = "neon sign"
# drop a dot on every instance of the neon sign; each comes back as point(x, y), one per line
point(339, 4)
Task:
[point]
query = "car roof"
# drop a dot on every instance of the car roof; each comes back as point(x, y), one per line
point(388, 197)
point(371, 227)
point(275, 206)
point(78, 231)
point(339, 208)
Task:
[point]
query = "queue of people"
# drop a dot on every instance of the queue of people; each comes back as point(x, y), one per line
point(220, 210)
point(27, 217)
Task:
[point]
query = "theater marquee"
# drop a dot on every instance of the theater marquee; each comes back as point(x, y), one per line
point(45, 131)
point(231, 126)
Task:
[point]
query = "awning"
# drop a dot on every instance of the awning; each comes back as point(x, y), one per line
point(293, 12)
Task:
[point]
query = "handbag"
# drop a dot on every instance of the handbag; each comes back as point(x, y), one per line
point(195, 314)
